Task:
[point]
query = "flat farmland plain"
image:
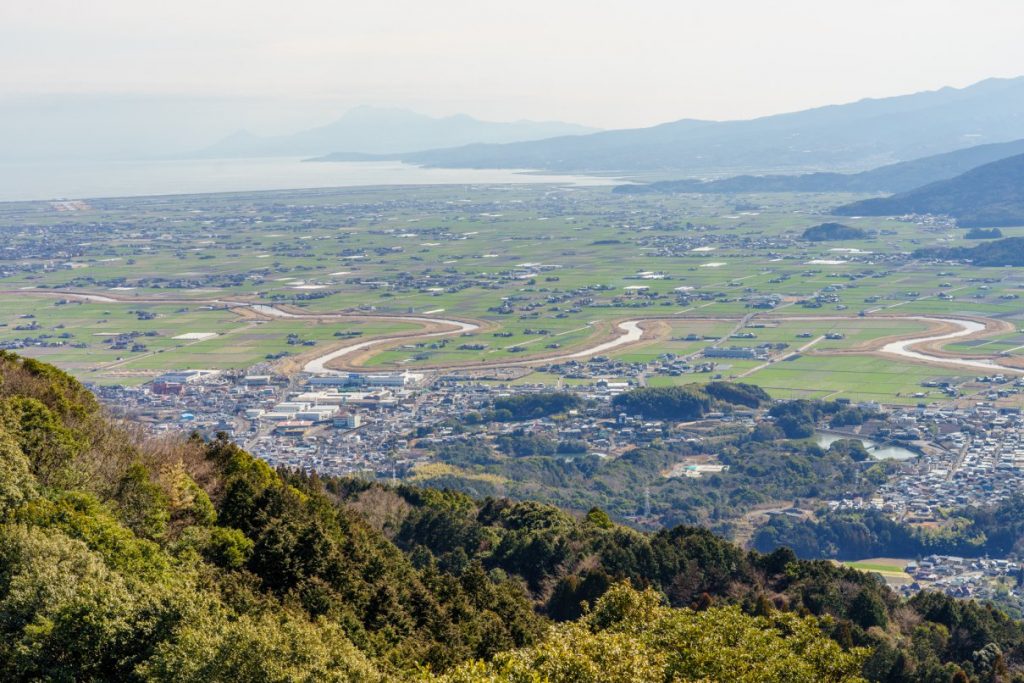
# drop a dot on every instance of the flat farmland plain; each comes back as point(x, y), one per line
point(543, 271)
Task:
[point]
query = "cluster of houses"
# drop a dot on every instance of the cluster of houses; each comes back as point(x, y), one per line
point(968, 456)
point(979, 578)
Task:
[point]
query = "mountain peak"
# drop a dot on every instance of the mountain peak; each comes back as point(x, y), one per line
point(844, 137)
point(370, 129)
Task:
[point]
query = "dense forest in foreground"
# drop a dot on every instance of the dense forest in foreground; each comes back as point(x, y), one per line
point(128, 558)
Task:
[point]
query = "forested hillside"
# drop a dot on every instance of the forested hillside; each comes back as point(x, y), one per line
point(973, 532)
point(985, 196)
point(898, 177)
point(998, 253)
point(827, 232)
point(127, 558)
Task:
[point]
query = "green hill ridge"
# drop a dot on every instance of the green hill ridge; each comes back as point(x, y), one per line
point(991, 195)
point(125, 557)
point(898, 177)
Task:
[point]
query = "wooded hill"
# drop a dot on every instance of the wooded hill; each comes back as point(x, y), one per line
point(997, 253)
point(898, 177)
point(128, 558)
point(988, 196)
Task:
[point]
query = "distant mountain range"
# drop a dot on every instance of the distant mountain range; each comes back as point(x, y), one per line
point(855, 136)
point(899, 177)
point(375, 130)
point(986, 196)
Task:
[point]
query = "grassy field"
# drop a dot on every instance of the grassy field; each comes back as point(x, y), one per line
point(892, 570)
point(858, 378)
point(85, 330)
point(874, 567)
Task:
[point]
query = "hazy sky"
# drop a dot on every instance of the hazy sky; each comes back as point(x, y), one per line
point(598, 62)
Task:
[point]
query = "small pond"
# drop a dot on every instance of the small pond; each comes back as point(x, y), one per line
point(877, 452)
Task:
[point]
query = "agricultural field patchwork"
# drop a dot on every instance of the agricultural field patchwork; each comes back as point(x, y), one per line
point(541, 273)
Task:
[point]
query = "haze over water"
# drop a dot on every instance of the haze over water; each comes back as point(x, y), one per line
point(85, 180)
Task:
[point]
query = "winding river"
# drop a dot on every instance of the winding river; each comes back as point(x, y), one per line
point(630, 332)
point(904, 347)
point(318, 366)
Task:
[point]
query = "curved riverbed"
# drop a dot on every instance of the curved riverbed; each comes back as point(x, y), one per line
point(317, 366)
point(630, 332)
point(904, 347)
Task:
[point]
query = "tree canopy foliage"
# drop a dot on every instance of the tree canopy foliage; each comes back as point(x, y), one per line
point(128, 558)
point(1008, 251)
point(971, 532)
point(689, 402)
point(530, 406)
point(827, 232)
point(630, 637)
point(669, 403)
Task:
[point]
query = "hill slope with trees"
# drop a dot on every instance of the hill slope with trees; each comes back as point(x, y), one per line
point(997, 253)
point(129, 558)
point(829, 232)
point(988, 196)
point(898, 177)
